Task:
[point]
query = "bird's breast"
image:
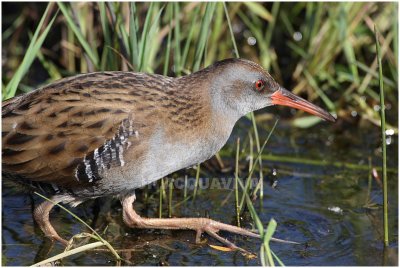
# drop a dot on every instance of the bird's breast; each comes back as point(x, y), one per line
point(164, 156)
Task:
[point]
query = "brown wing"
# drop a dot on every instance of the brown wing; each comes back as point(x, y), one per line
point(47, 133)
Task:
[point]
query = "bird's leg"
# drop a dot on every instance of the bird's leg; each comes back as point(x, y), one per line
point(200, 225)
point(42, 218)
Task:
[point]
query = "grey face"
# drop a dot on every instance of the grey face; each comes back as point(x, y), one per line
point(244, 87)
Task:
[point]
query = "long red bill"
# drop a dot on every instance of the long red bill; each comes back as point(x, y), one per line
point(287, 98)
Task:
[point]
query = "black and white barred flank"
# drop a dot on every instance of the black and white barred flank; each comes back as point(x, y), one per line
point(111, 153)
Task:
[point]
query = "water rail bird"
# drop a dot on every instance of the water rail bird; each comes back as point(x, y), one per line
point(109, 133)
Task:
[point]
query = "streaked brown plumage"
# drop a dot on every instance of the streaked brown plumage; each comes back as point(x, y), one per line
point(109, 133)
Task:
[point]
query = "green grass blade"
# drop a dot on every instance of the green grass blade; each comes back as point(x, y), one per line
point(168, 50)
point(321, 94)
point(350, 55)
point(177, 37)
point(236, 183)
point(287, 22)
point(152, 41)
point(107, 60)
point(253, 214)
point(260, 185)
point(263, 259)
point(231, 30)
point(372, 72)
point(203, 36)
point(91, 52)
point(133, 29)
point(277, 259)
point(120, 24)
point(255, 29)
point(270, 231)
point(298, 50)
point(395, 30)
point(104, 22)
point(10, 30)
point(383, 129)
point(271, 25)
point(161, 196)
point(30, 55)
point(196, 185)
point(68, 253)
point(148, 41)
point(248, 180)
point(259, 10)
point(266, 235)
point(216, 33)
point(50, 67)
point(306, 121)
point(170, 191)
point(189, 38)
point(266, 239)
point(143, 39)
point(316, 20)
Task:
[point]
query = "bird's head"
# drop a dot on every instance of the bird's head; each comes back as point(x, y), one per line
point(243, 86)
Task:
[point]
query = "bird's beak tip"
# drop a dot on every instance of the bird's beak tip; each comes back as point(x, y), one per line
point(332, 118)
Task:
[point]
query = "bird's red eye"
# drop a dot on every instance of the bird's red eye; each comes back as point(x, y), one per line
point(259, 84)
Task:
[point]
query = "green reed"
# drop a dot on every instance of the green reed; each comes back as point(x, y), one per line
point(383, 137)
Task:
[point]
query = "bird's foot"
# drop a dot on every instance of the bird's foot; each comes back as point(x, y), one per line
point(200, 225)
point(213, 232)
point(41, 215)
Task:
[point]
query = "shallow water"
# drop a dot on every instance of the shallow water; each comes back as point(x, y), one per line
point(320, 206)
